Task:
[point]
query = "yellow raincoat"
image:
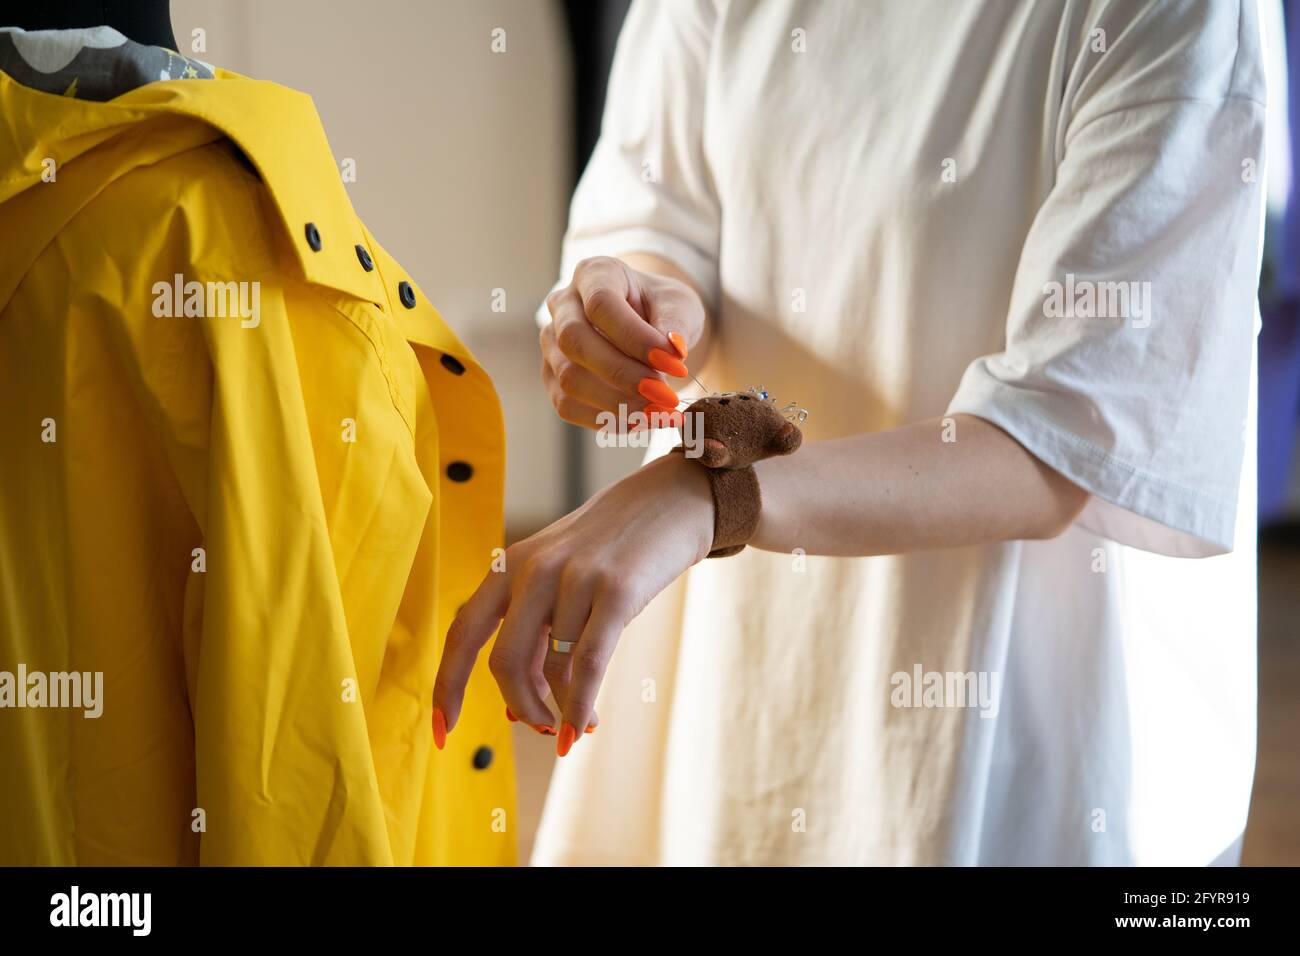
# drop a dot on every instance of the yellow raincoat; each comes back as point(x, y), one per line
point(257, 526)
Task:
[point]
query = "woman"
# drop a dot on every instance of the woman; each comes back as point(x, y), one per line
point(1006, 256)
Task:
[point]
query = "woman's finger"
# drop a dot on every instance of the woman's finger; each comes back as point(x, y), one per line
point(517, 654)
point(587, 670)
point(540, 687)
point(671, 310)
point(555, 668)
point(570, 409)
point(587, 386)
point(603, 286)
point(576, 338)
point(558, 670)
point(539, 683)
point(572, 608)
point(471, 629)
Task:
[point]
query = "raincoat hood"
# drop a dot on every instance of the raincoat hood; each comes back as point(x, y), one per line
point(276, 128)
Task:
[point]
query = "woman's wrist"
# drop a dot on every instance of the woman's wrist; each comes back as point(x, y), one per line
point(687, 486)
point(774, 478)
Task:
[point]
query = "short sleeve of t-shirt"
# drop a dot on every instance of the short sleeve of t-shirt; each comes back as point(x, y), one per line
point(1133, 312)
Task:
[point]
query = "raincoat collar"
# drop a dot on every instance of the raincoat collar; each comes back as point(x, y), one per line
point(277, 128)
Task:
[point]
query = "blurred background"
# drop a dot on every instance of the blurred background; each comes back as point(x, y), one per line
point(467, 123)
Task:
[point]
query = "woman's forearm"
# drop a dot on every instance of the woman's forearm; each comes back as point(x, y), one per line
point(907, 489)
point(941, 483)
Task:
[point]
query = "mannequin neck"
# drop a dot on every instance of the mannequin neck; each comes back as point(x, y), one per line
point(144, 21)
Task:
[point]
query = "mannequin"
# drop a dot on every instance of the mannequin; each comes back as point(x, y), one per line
point(144, 21)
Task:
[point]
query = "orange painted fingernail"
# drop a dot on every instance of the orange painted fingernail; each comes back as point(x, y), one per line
point(543, 729)
point(661, 361)
point(657, 392)
point(510, 717)
point(439, 728)
point(591, 728)
point(679, 343)
point(567, 736)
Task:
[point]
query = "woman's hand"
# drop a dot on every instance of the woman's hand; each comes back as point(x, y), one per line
point(613, 331)
point(582, 579)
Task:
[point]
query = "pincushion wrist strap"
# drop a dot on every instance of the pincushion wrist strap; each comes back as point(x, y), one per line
point(730, 432)
point(737, 503)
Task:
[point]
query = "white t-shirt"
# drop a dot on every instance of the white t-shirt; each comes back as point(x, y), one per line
point(1046, 214)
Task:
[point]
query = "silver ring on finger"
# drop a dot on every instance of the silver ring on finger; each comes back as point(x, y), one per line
point(563, 647)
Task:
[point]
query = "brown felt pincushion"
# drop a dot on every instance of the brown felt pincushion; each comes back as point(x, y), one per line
point(737, 429)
